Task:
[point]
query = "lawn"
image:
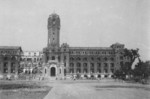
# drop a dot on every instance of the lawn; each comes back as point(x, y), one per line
point(23, 90)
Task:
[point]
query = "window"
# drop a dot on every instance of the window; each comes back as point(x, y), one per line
point(34, 59)
point(5, 67)
point(112, 65)
point(71, 64)
point(121, 57)
point(78, 65)
point(112, 70)
point(64, 57)
point(65, 64)
point(92, 65)
point(78, 58)
point(121, 63)
point(99, 70)
point(71, 58)
point(29, 59)
point(85, 65)
point(34, 54)
point(71, 70)
point(92, 70)
point(85, 70)
point(5, 58)
point(105, 70)
point(53, 57)
point(105, 58)
point(13, 58)
point(98, 65)
point(105, 65)
point(91, 52)
point(92, 58)
point(78, 70)
point(112, 59)
point(78, 52)
point(45, 70)
point(98, 58)
point(12, 68)
point(85, 59)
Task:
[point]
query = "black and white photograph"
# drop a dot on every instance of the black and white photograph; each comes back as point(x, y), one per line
point(74, 49)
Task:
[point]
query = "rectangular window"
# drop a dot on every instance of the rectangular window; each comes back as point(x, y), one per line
point(12, 68)
point(5, 67)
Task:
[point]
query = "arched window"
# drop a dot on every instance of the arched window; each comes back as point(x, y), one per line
point(78, 58)
point(84, 59)
point(71, 58)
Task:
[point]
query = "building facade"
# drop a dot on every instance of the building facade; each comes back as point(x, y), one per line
point(10, 60)
point(31, 60)
point(61, 60)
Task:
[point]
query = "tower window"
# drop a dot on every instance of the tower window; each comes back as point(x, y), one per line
point(53, 57)
point(53, 38)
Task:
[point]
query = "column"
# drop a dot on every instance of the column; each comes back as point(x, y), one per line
point(95, 67)
point(16, 68)
point(75, 67)
point(67, 63)
point(109, 71)
point(82, 68)
point(62, 70)
point(9, 67)
point(89, 67)
point(1, 67)
point(102, 67)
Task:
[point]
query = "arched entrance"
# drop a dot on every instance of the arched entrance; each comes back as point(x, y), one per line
point(53, 71)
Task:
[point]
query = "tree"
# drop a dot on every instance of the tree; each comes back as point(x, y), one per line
point(141, 71)
point(133, 55)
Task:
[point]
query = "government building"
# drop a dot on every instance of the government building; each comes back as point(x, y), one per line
point(60, 60)
point(10, 57)
point(31, 60)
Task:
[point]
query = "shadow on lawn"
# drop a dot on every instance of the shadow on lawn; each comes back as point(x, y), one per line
point(99, 88)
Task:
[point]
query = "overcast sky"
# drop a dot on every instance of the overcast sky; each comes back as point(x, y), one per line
point(87, 23)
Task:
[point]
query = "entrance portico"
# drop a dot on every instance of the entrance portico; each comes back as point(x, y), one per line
point(53, 69)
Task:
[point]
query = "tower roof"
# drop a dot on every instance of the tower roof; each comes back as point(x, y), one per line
point(53, 15)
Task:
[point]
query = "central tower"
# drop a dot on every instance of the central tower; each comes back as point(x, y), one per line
point(53, 30)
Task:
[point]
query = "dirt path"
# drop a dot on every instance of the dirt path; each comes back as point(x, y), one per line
point(105, 91)
point(71, 91)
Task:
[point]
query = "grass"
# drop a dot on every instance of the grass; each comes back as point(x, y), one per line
point(23, 90)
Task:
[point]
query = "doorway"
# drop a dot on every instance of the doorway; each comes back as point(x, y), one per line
point(53, 71)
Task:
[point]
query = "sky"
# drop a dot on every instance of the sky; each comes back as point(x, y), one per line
point(84, 23)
